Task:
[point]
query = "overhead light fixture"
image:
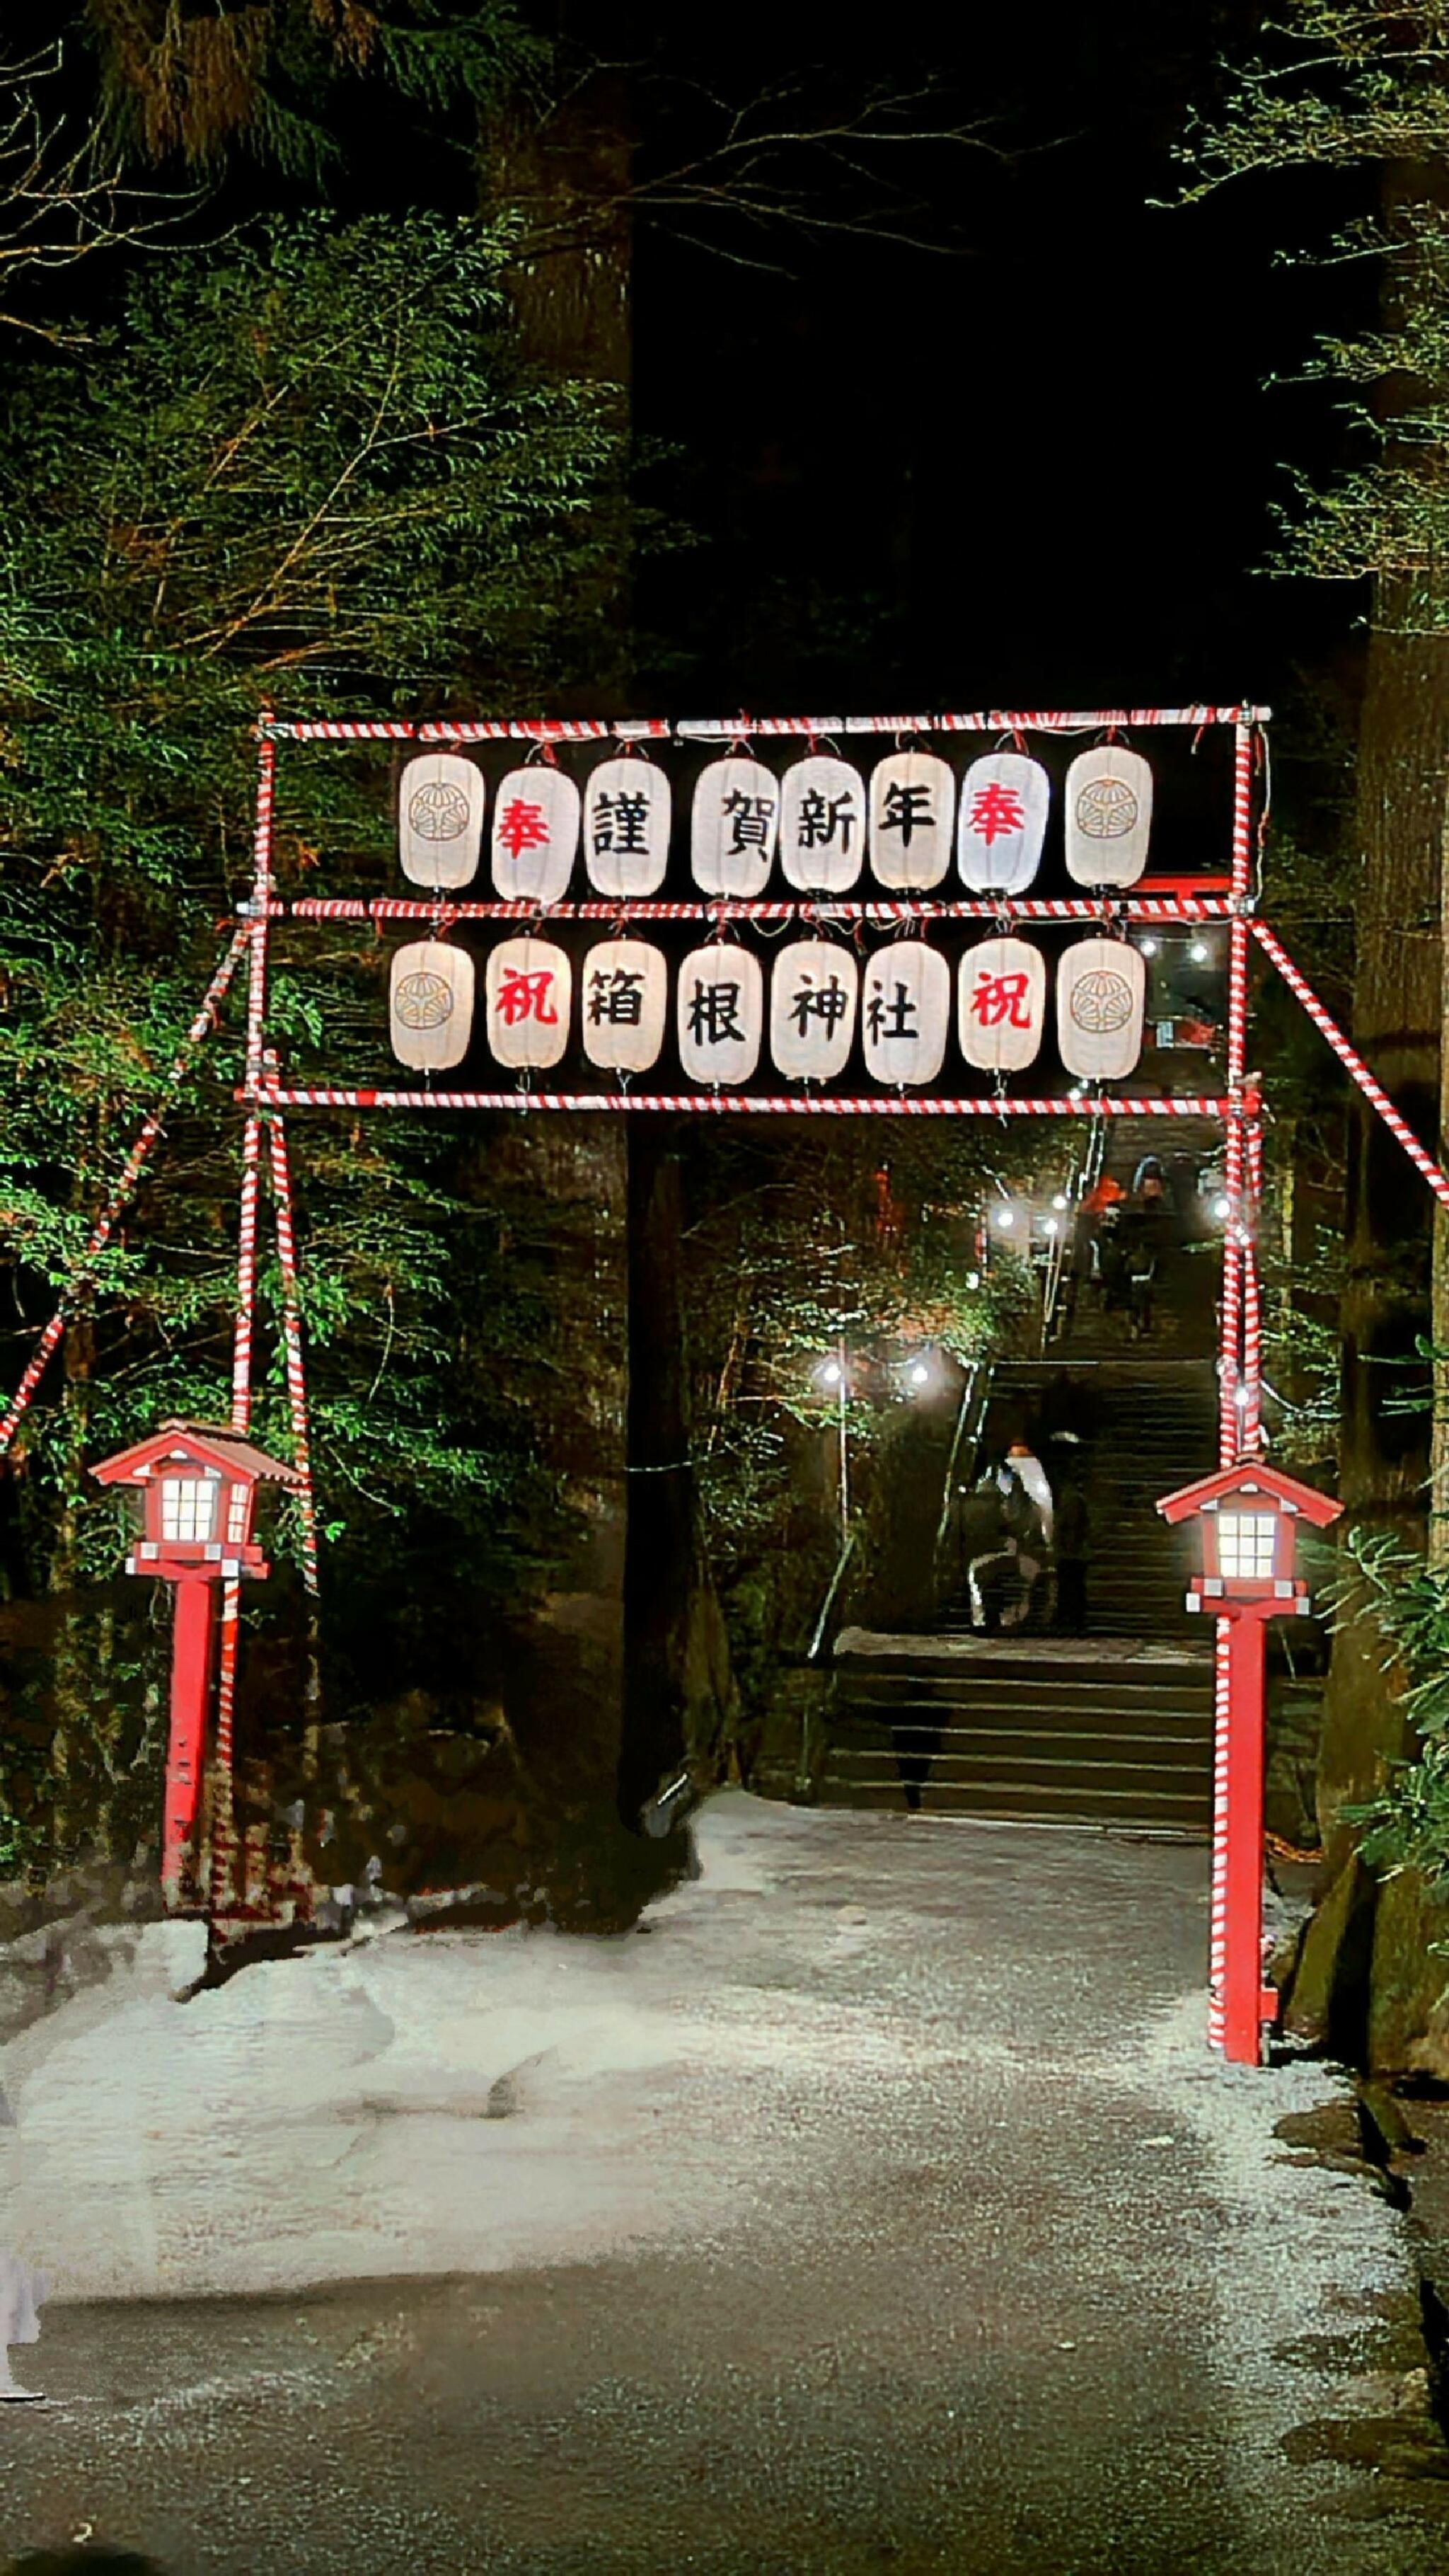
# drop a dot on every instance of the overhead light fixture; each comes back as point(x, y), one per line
point(1051, 1225)
point(1148, 947)
point(830, 1373)
point(1061, 1202)
point(1222, 1210)
point(1199, 952)
point(918, 1374)
point(1004, 1216)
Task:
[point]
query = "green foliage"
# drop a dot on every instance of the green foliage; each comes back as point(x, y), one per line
point(1407, 1825)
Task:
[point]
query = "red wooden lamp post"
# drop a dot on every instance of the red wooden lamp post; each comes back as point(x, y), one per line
point(198, 1491)
point(1249, 1516)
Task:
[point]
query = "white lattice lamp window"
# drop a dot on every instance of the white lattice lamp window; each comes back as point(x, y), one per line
point(188, 1507)
point(238, 1513)
point(1247, 1543)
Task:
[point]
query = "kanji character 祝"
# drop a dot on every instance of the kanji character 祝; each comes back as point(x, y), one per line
point(822, 816)
point(996, 811)
point(714, 1014)
point(526, 997)
point(1000, 1001)
point(907, 810)
point(621, 823)
point(750, 820)
point(521, 826)
point(894, 1018)
point(616, 999)
point(824, 1002)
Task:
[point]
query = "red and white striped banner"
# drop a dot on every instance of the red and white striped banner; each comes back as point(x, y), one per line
point(743, 728)
point(884, 912)
point(725, 1104)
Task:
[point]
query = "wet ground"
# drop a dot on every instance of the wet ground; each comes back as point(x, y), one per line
point(892, 2218)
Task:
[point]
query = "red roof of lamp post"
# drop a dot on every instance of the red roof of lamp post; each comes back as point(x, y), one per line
point(198, 1483)
point(1250, 1476)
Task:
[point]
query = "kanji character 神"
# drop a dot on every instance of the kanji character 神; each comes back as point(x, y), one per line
point(825, 1002)
point(995, 812)
point(621, 823)
point(521, 827)
point(821, 817)
point(714, 1014)
point(526, 997)
point(1000, 1001)
point(907, 810)
point(894, 1018)
point(750, 820)
point(616, 999)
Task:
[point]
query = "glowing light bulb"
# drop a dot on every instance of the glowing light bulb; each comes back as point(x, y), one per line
point(973, 1278)
point(918, 1373)
point(830, 1373)
point(1198, 952)
point(1051, 1225)
point(1005, 1218)
point(1148, 947)
point(1222, 1210)
point(1060, 1202)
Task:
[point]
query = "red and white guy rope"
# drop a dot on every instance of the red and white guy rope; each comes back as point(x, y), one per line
point(222, 1813)
point(292, 1340)
point(1230, 1342)
point(722, 1104)
point(1353, 1063)
point(1250, 1438)
point(100, 1235)
point(246, 1278)
point(741, 727)
point(444, 911)
point(261, 904)
point(1218, 1909)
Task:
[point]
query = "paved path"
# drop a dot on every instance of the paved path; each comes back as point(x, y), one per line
point(875, 2210)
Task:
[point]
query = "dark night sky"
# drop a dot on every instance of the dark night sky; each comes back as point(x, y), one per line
point(1038, 471)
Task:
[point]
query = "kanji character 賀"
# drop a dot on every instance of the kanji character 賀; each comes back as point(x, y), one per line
point(714, 1014)
point(1000, 1001)
point(996, 811)
point(526, 997)
point(750, 820)
point(907, 810)
point(616, 1000)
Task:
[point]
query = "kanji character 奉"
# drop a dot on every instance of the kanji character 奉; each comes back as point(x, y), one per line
point(996, 811)
point(521, 827)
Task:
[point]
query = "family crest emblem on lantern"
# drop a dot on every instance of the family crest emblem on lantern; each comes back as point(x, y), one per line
point(734, 827)
point(1001, 1005)
point(912, 818)
point(535, 834)
point(822, 825)
point(1101, 1007)
point(814, 988)
point(906, 1013)
point(625, 988)
point(440, 820)
point(720, 1013)
point(431, 989)
point(626, 827)
point(1001, 822)
point(1109, 816)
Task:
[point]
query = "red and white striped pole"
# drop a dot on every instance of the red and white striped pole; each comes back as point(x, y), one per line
point(292, 1338)
point(1250, 1438)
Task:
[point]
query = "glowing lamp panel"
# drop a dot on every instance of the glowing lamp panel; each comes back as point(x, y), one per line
point(1247, 1545)
point(188, 1509)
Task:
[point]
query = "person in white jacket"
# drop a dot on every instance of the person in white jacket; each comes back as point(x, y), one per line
point(22, 2293)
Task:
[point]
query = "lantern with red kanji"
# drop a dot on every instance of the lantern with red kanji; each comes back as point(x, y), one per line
point(197, 1488)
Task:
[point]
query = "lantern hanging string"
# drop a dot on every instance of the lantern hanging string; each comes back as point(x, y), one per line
point(200, 1028)
point(1353, 1063)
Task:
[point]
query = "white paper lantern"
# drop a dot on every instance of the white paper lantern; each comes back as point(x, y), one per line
point(430, 994)
point(1002, 822)
point(1101, 1002)
point(625, 1004)
point(529, 988)
point(734, 827)
point(440, 820)
point(822, 825)
point(626, 827)
point(905, 1012)
point(814, 988)
point(1001, 1004)
point(1109, 816)
point(720, 1013)
point(535, 834)
point(912, 810)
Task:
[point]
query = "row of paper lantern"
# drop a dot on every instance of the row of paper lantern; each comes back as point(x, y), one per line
point(821, 818)
point(900, 1000)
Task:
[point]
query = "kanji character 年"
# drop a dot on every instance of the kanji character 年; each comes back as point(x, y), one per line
point(521, 826)
point(526, 997)
point(714, 1014)
point(907, 810)
point(996, 811)
point(999, 1001)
